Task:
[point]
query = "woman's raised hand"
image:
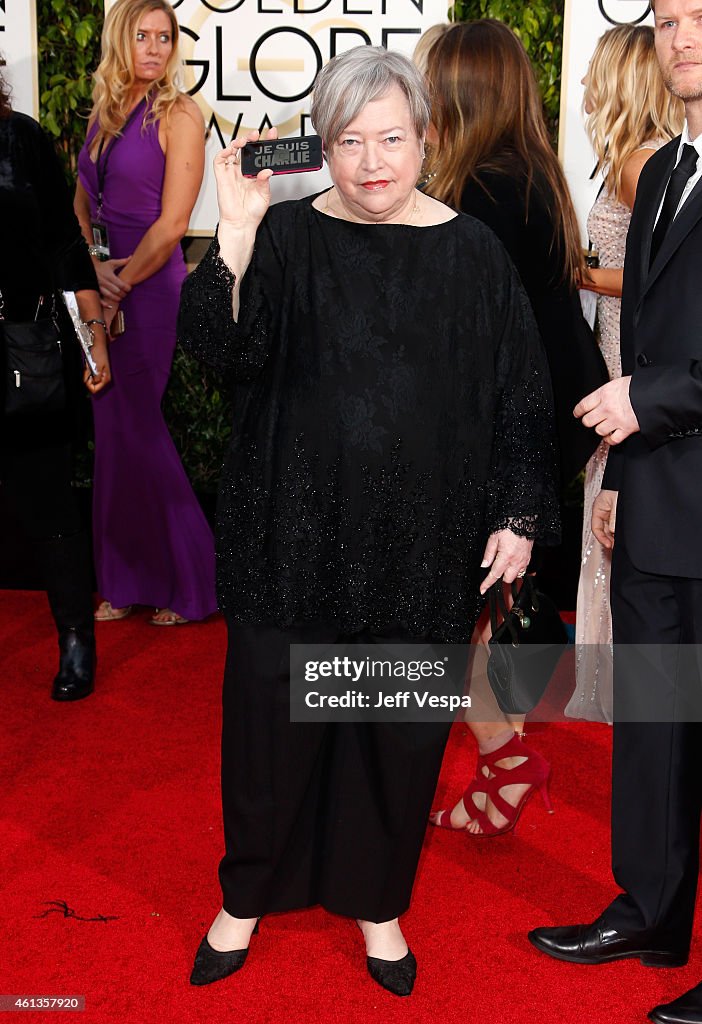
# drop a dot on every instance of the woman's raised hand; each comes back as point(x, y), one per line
point(242, 201)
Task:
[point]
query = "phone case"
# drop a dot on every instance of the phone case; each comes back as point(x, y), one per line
point(283, 156)
point(117, 326)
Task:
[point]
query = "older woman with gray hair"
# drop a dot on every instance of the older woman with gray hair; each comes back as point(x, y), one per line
point(390, 459)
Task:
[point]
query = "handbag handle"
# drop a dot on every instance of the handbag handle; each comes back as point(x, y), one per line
point(496, 600)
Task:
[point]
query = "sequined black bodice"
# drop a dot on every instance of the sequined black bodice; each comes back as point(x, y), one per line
point(392, 408)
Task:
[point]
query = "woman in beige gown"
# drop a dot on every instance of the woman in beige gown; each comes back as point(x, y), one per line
point(629, 116)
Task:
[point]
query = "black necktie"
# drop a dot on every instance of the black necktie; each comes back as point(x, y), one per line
point(676, 186)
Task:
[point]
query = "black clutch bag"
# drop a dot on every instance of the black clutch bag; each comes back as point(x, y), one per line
point(525, 647)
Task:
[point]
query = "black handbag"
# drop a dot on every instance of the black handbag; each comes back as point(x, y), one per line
point(33, 366)
point(525, 647)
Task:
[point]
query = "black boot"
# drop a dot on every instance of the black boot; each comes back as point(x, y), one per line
point(76, 674)
point(69, 581)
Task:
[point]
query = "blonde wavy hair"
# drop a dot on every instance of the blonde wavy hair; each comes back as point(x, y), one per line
point(629, 101)
point(425, 42)
point(114, 76)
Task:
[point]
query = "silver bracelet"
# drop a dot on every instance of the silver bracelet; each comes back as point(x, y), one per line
point(89, 325)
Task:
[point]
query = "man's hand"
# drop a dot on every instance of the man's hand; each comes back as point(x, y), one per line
point(609, 411)
point(604, 515)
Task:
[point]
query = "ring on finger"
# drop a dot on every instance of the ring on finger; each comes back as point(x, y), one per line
point(521, 574)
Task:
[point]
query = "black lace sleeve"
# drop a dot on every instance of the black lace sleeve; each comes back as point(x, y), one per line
point(206, 326)
point(522, 493)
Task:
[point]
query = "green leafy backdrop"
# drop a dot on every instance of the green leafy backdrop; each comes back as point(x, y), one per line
point(69, 48)
point(539, 24)
point(196, 405)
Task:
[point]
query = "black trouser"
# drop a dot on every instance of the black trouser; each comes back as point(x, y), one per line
point(656, 767)
point(36, 480)
point(333, 812)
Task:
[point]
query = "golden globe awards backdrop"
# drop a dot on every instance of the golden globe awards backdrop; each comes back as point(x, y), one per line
point(251, 63)
point(18, 46)
point(585, 21)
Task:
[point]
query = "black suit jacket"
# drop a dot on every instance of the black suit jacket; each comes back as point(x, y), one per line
point(658, 472)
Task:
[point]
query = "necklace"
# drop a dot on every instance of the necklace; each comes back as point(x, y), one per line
point(328, 209)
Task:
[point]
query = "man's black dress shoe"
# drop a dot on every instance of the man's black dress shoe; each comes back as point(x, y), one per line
point(597, 943)
point(685, 1010)
point(397, 976)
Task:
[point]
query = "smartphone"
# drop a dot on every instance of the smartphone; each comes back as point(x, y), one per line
point(117, 326)
point(283, 156)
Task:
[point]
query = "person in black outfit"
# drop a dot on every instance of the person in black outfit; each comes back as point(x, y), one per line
point(652, 419)
point(47, 253)
point(385, 361)
point(490, 156)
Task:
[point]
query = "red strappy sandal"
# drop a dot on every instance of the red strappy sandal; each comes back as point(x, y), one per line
point(443, 818)
point(534, 772)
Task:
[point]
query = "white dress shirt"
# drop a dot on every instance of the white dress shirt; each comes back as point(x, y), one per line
point(685, 140)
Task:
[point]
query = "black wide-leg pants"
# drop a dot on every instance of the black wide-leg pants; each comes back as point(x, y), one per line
point(330, 813)
point(657, 760)
point(37, 482)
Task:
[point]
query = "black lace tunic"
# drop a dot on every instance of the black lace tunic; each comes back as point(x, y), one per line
point(392, 409)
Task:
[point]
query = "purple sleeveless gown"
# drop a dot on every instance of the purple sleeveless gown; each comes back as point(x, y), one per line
point(153, 545)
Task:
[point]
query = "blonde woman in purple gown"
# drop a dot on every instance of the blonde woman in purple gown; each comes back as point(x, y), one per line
point(630, 114)
point(139, 176)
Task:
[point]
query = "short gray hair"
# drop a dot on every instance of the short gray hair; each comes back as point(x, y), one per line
point(354, 78)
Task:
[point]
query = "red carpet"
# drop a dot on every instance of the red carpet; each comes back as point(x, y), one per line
point(109, 810)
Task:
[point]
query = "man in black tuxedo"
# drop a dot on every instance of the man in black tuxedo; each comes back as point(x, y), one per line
point(652, 418)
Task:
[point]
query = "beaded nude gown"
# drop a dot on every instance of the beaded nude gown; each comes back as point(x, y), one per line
point(607, 225)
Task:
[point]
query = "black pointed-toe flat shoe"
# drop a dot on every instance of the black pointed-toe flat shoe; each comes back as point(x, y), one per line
point(687, 1009)
point(397, 976)
point(212, 965)
point(598, 943)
